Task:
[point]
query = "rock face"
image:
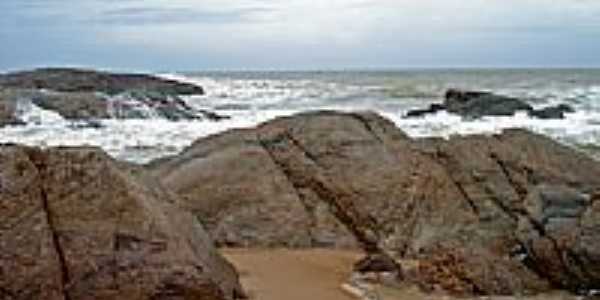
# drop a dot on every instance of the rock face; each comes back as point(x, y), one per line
point(506, 214)
point(74, 80)
point(77, 226)
point(475, 104)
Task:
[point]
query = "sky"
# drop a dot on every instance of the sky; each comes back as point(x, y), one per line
point(186, 35)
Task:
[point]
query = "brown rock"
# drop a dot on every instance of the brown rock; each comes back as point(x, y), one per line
point(456, 207)
point(77, 226)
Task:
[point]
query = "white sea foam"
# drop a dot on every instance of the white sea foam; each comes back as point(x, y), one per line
point(255, 98)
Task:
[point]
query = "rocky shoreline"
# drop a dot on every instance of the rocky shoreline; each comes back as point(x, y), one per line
point(508, 214)
point(86, 96)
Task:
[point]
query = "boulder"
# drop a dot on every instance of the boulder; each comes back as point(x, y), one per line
point(479, 104)
point(552, 112)
point(78, 225)
point(457, 207)
point(77, 80)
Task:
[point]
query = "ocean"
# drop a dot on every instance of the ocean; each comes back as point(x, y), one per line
point(254, 97)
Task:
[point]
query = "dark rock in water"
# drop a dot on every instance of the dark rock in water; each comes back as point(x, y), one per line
point(460, 208)
point(433, 108)
point(552, 112)
point(86, 108)
point(479, 104)
point(71, 106)
point(77, 225)
point(75, 80)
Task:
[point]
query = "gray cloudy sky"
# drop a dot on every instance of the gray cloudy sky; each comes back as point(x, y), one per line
point(299, 34)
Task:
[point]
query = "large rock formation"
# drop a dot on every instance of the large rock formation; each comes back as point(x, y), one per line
point(503, 214)
point(77, 226)
point(75, 80)
point(82, 95)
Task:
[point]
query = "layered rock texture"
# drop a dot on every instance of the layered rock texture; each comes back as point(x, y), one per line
point(78, 225)
point(514, 213)
point(82, 95)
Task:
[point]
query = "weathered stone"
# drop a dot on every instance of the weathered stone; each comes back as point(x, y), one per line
point(78, 226)
point(456, 207)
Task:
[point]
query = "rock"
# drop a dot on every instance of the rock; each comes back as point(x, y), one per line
point(77, 225)
point(8, 112)
point(433, 108)
point(479, 104)
point(88, 81)
point(559, 237)
point(456, 206)
point(376, 264)
point(71, 106)
point(86, 108)
point(251, 202)
point(552, 112)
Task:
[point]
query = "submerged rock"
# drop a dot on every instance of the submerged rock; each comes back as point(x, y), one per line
point(77, 225)
point(456, 207)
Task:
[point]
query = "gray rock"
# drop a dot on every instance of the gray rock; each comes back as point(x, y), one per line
point(552, 112)
point(479, 104)
point(88, 81)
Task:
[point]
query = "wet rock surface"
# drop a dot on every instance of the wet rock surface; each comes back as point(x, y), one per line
point(81, 95)
point(481, 215)
point(77, 225)
point(476, 104)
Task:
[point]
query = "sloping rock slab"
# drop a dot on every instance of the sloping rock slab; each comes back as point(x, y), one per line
point(460, 208)
point(77, 226)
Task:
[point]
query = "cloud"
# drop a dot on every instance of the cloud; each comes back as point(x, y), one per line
point(263, 33)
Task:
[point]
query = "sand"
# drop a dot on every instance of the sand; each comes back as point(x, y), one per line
point(282, 274)
point(293, 274)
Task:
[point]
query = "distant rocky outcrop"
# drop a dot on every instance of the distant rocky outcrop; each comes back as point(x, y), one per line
point(83, 95)
point(476, 104)
point(78, 225)
point(506, 214)
point(79, 80)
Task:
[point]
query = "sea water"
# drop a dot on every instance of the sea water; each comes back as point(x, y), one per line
point(250, 98)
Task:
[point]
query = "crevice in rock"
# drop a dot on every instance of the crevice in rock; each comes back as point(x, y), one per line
point(519, 189)
point(5, 292)
point(299, 194)
point(342, 209)
point(367, 126)
point(442, 159)
point(65, 277)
